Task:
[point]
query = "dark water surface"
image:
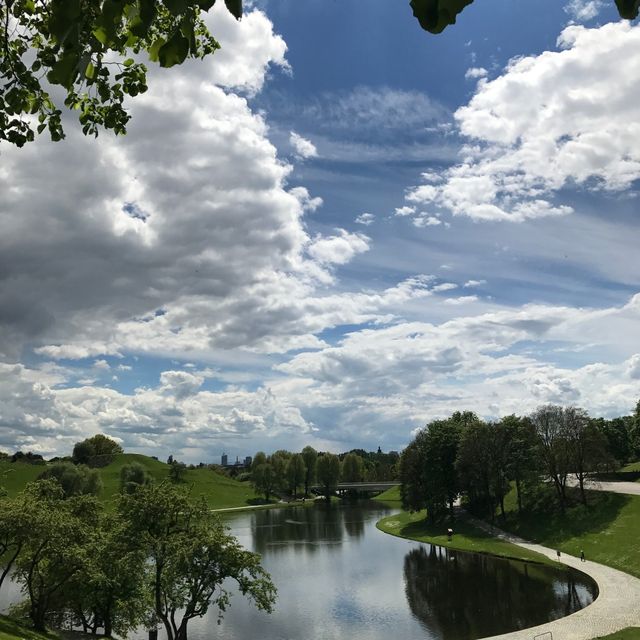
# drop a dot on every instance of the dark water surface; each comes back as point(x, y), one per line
point(340, 578)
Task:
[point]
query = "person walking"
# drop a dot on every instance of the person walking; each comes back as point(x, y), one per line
point(582, 555)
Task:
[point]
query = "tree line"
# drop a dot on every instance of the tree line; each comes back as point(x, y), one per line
point(285, 473)
point(465, 457)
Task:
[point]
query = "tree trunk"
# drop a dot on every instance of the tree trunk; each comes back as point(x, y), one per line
point(583, 495)
point(519, 495)
point(182, 630)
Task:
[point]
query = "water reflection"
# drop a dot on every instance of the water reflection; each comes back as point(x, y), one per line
point(277, 530)
point(339, 577)
point(465, 596)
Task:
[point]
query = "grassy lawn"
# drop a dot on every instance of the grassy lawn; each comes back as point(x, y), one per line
point(11, 629)
point(14, 476)
point(630, 633)
point(219, 491)
point(390, 495)
point(466, 537)
point(608, 529)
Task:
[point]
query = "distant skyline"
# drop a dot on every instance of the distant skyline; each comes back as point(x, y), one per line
point(334, 230)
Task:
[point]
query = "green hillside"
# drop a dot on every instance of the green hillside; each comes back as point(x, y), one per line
point(219, 491)
point(14, 476)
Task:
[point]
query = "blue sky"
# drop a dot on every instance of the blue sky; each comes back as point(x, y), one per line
point(334, 230)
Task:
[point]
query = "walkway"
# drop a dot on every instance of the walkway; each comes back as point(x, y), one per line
point(629, 488)
point(616, 607)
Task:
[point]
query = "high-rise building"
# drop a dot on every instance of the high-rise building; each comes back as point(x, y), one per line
point(225, 460)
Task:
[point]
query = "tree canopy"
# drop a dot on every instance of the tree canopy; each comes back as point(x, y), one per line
point(89, 48)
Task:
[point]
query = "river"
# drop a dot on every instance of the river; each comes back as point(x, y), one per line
point(339, 577)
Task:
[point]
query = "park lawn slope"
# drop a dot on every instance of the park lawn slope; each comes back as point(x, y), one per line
point(390, 495)
point(15, 475)
point(220, 491)
point(11, 629)
point(630, 633)
point(607, 529)
point(466, 537)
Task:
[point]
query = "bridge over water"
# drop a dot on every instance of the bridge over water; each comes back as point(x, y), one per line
point(362, 487)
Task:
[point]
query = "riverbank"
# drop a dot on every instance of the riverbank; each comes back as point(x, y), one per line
point(606, 529)
point(466, 536)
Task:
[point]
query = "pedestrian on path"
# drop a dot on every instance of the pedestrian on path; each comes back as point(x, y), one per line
point(558, 552)
point(582, 556)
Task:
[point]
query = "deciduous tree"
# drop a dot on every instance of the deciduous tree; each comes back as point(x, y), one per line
point(328, 470)
point(190, 557)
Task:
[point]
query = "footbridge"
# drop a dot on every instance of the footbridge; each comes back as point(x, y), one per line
point(361, 487)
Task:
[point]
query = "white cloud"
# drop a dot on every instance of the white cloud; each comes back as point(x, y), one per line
point(425, 220)
point(338, 249)
point(476, 72)
point(633, 367)
point(302, 147)
point(404, 211)
point(101, 364)
point(445, 286)
point(461, 300)
point(566, 118)
point(365, 219)
point(583, 10)
point(474, 283)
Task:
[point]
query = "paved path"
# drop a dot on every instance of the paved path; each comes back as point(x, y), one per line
point(630, 488)
point(616, 607)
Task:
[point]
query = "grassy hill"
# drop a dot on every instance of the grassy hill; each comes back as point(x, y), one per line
point(14, 476)
point(219, 491)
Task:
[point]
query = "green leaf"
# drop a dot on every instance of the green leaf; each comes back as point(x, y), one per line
point(142, 22)
point(155, 48)
point(628, 8)
point(235, 7)
point(435, 15)
point(90, 71)
point(65, 70)
point(101, 35)
point(176, 7)
point(64, 15)
point(174, 51)
point(128, 62)
point(205, 5)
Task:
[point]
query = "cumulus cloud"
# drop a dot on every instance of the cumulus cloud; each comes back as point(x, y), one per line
point(365, 218)
point(175, 415)
point(411, 372)
point(404, 211)
point(302, 147)
point(220, 250)
point(476, 72)
point(338, 249)
point(564, 118)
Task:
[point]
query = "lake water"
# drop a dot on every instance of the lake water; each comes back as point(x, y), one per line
point(338, 577)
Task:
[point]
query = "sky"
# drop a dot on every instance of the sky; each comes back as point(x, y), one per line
point(334, 230)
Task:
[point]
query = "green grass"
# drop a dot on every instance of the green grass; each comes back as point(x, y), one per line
point(14, 476)
point(219, 491)
point(11, 629)
point(607, 529)
point(630, 633)
point(632, 466)
point(466, 537)
point(390, 495)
